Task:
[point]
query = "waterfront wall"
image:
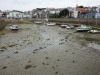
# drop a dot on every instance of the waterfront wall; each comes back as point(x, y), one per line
point(84, 21)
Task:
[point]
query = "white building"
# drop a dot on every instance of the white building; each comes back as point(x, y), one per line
point(15, 15)
point(98, 9)
point(75, 14)
point(18, 15)
point(97, 15)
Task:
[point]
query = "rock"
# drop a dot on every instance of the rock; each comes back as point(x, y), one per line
point(35, 49)
point(47, 63)
point(4, 67)
point(43, 63)
point(58, 59)
point(62, 39)
point(66, 50)
point(29, 61)
point(8, 56)
point(56, 72)
point(34, 66)
point(61, 43)
point(59, 33)
point(47, 57)
point(16, 52)
point(48, 39)
point(34, 52)
point(28, 66)
point(4, 47)
point(73, 61)
point(44, 47)
point(40, 48)
point(10, 45)
point(2, 50)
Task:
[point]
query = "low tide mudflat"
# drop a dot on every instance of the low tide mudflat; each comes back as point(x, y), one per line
point(48, 50)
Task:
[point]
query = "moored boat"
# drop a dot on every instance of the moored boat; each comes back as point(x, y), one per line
point(63, 26)
point(94, 31)
point(13, 27)
point(83, 28)
point(68, 26)
point(38, 22)
point(51, 24)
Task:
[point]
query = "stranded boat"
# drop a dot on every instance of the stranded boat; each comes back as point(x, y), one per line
point(51, 24)
point(83, 28)
point(94, 31)
point(63, 26)
point(38, 22)
point(13, 27)
point(68, 26)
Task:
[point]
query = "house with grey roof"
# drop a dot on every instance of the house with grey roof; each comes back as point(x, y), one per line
point(97, 15)
point(44, 12)
point(18, 14)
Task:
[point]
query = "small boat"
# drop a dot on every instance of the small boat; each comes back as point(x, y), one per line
point(94, 31)
point(13, 27)
point(68, 26)
point(83, 28)
point(63, 26)
point(38, 22)
point(51, 24)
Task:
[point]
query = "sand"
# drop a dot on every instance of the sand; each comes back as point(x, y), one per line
point(46, 50)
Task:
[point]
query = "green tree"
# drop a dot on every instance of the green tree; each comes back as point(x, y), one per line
point(54, 16)
point(63, 13)
point(80, 6)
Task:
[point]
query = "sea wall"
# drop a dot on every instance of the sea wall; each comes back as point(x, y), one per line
point(84, 21)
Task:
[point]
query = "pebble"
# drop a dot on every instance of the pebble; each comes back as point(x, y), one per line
point(4, 67)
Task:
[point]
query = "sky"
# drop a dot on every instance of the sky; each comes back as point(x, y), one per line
point(26, 5)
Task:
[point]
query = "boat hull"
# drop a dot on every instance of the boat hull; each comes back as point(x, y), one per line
point(94, 31)
point(82, 30)
point(51, 24)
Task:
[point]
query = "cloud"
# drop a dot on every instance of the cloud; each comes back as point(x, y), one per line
point(31, 4)
point(23, 1)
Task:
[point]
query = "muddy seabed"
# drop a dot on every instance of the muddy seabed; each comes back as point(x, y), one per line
point(46, 50)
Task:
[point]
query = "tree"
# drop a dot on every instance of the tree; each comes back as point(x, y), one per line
point(63, 13)
point(80, 6)
point(54, 16)
point(4, 15)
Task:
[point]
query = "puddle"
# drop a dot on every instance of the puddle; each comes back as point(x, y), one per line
point(94, 45)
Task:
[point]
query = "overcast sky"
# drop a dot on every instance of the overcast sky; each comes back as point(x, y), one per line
point(31, 4)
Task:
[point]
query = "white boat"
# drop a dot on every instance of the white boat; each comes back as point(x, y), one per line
point(51, 24)
point(94, 31)
point(63, 26)
point(83, 28)
point(13, 27)
point(68, 26)
point(38, 22)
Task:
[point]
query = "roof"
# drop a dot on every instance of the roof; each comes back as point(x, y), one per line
point(82, 9)
point(16, 11)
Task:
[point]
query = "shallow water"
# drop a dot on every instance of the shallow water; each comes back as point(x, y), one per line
point(94, 45)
